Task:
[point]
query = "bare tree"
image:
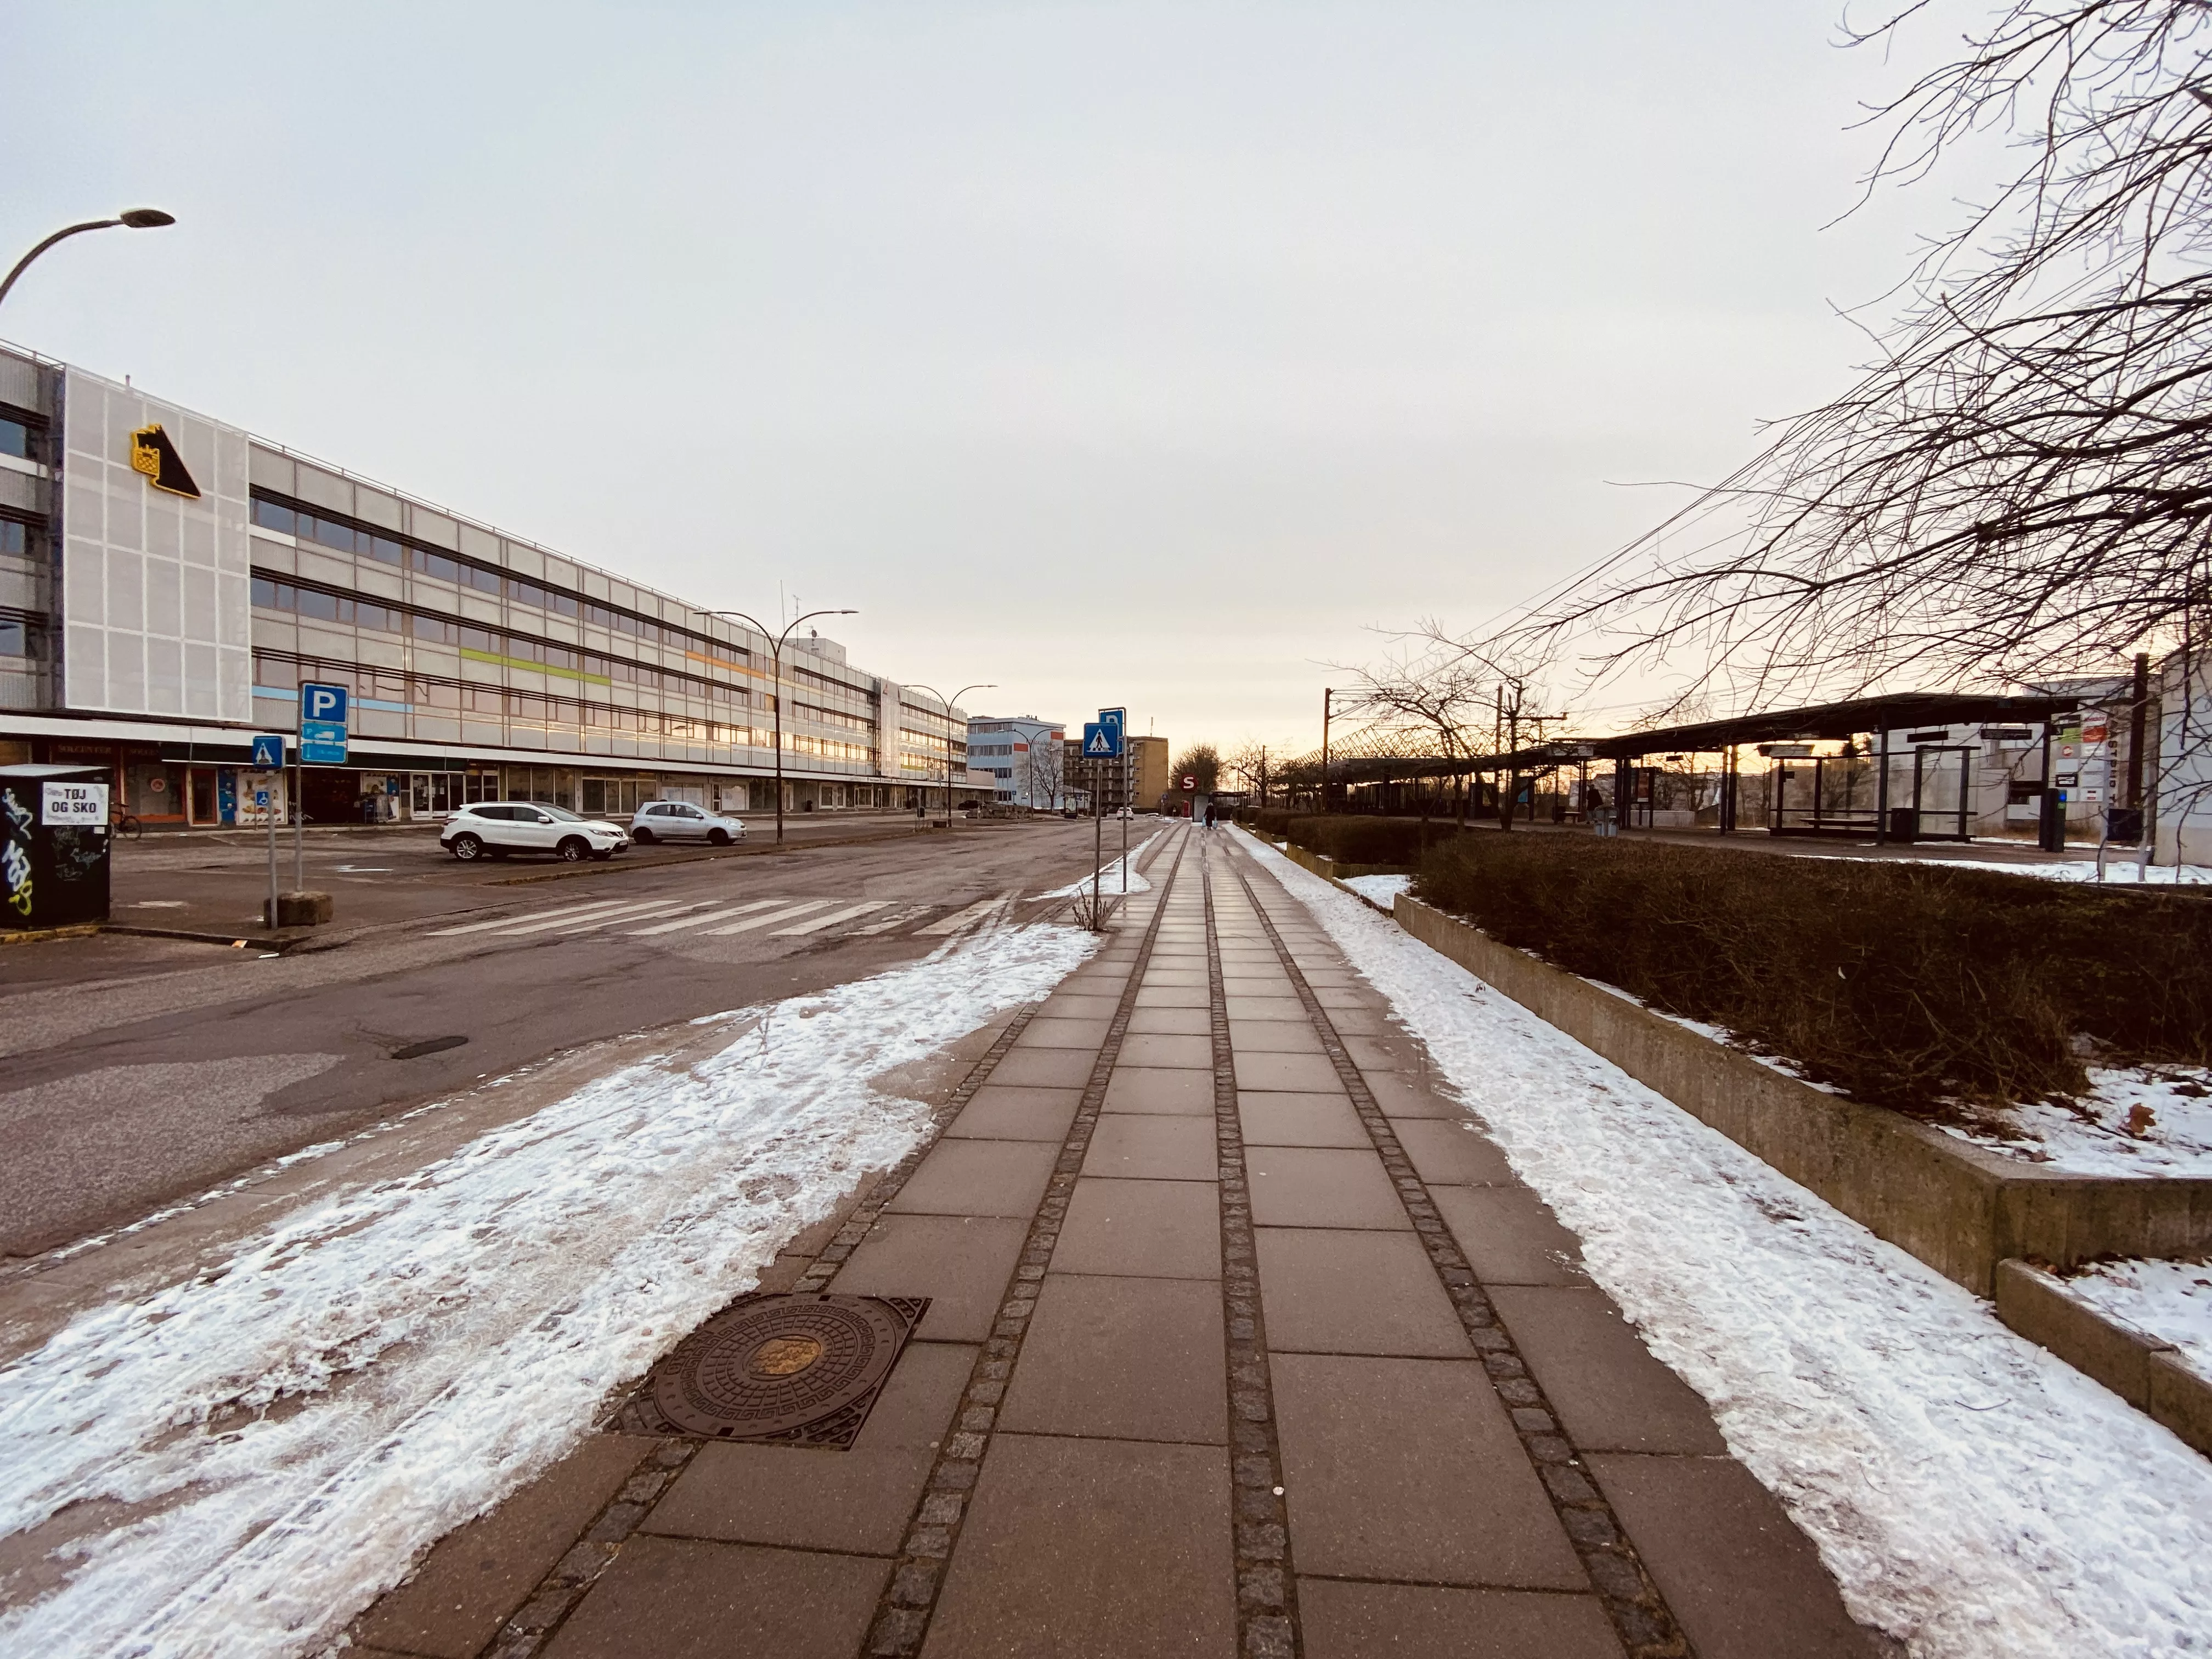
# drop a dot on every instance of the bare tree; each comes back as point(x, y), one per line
point(1043, 772)
point(2021, 485)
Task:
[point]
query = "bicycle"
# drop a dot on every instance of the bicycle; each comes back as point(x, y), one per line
point(128, 824)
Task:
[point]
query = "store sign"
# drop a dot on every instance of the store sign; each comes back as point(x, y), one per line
point(2096, 726)
point(75, 803)
point(153, 455)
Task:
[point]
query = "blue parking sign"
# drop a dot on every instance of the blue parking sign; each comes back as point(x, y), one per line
point(323, 703)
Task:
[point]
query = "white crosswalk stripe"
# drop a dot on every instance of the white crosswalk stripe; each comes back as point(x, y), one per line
point(959, 919)
point(773, 916)
point(618, 913)
point(816, 924)
point(509, 921)
point(682, 922)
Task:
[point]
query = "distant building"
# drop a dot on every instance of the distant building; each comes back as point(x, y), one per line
point(1145, 772)
point(1020, 756)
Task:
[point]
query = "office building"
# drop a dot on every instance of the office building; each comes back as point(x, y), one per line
point(1021, 756)
point(168, 582)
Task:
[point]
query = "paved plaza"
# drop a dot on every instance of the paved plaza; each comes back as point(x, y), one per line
point(1241, 1339)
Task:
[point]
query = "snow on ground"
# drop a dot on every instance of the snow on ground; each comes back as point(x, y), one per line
point(1111, 875)
point(1382, 890)
point(2135, 1121)
point(1974, 1495)
point(2171, 1300)
point(294, 1425)
point(2120, 869)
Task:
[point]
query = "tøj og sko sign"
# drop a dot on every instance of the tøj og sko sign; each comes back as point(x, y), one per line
point(76, 805)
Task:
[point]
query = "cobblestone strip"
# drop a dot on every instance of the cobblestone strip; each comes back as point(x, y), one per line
point(902, 1615)
point(1639, 1614)
point(534, 1623)
point(1267, 1583)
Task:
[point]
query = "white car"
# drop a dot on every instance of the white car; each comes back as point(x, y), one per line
point(495, 828)
point(680, 820)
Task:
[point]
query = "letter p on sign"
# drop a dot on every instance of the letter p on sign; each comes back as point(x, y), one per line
point(323, 703)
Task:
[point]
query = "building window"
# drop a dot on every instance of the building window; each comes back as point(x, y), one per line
point(23, 436)
point(18, 636)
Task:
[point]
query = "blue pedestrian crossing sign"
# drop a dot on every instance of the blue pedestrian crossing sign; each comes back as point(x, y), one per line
point(269, 753)
point(1101, 741)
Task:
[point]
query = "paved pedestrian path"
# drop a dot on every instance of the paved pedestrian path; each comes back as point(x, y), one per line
point(1242, 1341)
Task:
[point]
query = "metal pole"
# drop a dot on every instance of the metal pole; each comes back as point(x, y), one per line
point(1880, 790)
point(1125, 814)
point(1097, 843)
point(270, 815)
point(137, 219)
point(1326, 695)
point(299, 824)
point(776, 695)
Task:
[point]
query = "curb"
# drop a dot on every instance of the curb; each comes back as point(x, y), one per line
point(2145, 1371)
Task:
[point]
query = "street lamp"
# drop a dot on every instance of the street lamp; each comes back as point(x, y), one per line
point(950, 704)
point(135, 218)
point(775, 659)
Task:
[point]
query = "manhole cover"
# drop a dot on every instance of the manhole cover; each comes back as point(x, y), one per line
point(783, 1367)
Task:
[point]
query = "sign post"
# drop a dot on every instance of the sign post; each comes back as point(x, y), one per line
point(268, 763)
point(323, 742)
point(1116, 721)
point(1101, 743)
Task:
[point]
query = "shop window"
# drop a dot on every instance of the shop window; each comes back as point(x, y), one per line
point(480, 784)
point(434, 792)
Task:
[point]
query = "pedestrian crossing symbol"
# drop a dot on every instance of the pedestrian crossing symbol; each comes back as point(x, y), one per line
point(1101, 741)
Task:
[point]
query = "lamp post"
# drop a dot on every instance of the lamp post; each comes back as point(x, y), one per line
point(775, 692)
point(135, 218)
point(950, 704)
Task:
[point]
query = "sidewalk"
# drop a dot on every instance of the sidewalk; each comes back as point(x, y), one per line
point(1241, 1339)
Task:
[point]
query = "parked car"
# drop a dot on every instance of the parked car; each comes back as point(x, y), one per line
point(680, 820)
point(495, 829)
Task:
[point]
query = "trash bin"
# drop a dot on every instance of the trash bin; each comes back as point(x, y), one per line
point(54, 843)
point(2125, 825)
point(1904, 823)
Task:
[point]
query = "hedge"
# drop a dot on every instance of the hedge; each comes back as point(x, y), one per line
point(1904, 984)
point(1355, 838)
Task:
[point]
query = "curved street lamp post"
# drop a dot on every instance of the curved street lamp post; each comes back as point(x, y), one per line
point(135, 218)
point(950, 704)
point(775, 660)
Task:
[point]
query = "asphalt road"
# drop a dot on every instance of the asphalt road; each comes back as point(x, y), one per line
point(136, 1071)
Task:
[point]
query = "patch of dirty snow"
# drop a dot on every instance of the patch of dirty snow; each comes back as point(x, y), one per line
point(2140, 1120)
point(290, 1429)
point(2169, 1300)
point(1379, 890)
point(1113, 874)
point(1974, 1495)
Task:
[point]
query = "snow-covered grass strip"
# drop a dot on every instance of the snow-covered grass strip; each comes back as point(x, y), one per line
point(1381, 891)
point(1113, 874)
point(2121, 869)
point(1974, 1495)
point(294, 1426)
point(2169, 1300)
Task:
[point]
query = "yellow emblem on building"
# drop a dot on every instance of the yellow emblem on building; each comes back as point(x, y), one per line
point(153, 455)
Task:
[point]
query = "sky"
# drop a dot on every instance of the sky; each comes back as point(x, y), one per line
point(1169, 356)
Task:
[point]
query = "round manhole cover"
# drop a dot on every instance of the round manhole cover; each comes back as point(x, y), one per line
point(776, 1364)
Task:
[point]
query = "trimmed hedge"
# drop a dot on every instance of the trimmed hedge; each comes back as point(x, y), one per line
point(1905, 984)
point(1355, 838)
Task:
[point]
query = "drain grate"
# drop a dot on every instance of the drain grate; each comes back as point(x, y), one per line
point(799, 1368)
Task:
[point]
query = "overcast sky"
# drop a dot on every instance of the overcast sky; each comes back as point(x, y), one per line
point(1117, 353)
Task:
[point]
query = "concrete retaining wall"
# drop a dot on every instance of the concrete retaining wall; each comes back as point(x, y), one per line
point(2148, 1374)
point(1959, 1209)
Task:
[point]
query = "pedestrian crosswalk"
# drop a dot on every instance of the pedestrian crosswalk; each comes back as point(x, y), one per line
point(784, 916)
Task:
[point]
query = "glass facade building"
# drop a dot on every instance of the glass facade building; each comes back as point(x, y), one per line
point(167, 583)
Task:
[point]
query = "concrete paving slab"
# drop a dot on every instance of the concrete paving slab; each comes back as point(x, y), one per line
point(1509, 1236)
point(1326, 1290)
point(1046, 1068)
point(1170, 1021)
point(1322, 1187)
point(1092, 1549)
point(1385, 1054)
point(1152, 1147)
point(1406, 1094)
point(1273, 1036)
point(1303, 1073)
point(1453, 1152)
point(1407, 1469)
point(1609, 1391)
point(1345, 1619)
point(1062, 1033)
point(478, 1575)
point(1743, 1582)
point(857, 1501)
point(1142, 1229)
point(978, 1177)
point(681, 1598)
point(1285, 1009)
point(1013, 1112)
point(1123, 1358)
point(1174, 1094)
point(1284, 1120)
point(962, 1263)
point(1167, 1053)
point(1173, 996)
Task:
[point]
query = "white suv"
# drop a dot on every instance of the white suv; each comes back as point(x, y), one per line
point(680, 820)
point(495, 828)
